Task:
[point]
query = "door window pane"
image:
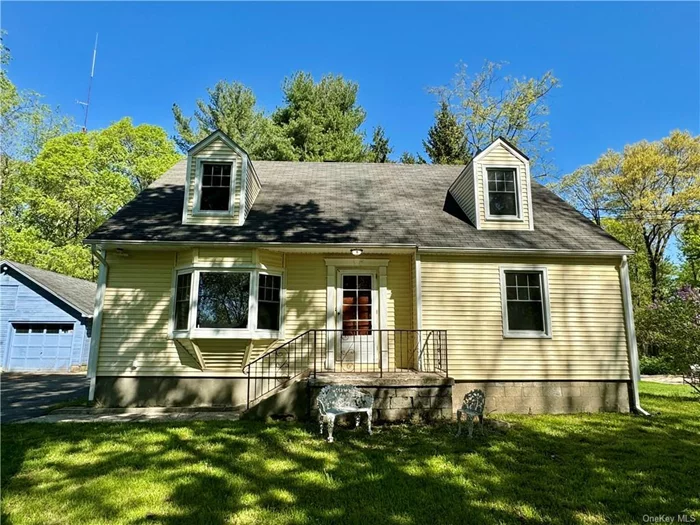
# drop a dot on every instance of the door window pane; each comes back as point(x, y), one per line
point(357, 305)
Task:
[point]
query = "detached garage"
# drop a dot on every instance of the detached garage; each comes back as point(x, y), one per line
point(45, 319)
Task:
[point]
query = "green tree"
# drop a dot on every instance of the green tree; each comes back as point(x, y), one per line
point(588, 187)
point(322, 119)
point(410, 158)
point(77, 181)
point(671, 328)
point(446, 142)
point(487, 106)
point(231, 107)
point(690, 248)
point(380, 149)
point(654, 184)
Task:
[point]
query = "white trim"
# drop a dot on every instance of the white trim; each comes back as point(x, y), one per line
point(196, 212)
point(518, 194)
point(244, 185)
point(379, 313)
point(500, 141)
point(369, 248)
point(185, 205)
point(546, 307)
point(251, 330)
point(523, 251)
point(632, 354)
point(97, 327)
point(362, 263)
point(211, 138)
point(330, 315)
point(419, 293)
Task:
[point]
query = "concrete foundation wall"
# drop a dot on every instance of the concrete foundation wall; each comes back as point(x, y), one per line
point(149, 391)
point(404, 403)
point(547, 397)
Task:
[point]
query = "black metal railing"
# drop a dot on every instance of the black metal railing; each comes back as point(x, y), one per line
point(357, 351)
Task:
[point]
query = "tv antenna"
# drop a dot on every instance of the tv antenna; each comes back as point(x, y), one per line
point(86, 105)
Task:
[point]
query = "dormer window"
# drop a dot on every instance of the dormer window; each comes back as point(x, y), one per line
point(215, 189)
point(502, 193)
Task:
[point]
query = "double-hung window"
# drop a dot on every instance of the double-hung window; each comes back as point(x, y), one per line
point(215, 187)
point(216, 302)
point(525, 302)
point(502, 192)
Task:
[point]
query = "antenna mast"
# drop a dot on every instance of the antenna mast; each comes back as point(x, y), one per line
point(86, 104)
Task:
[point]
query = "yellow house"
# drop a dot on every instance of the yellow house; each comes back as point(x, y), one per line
point(229, 281)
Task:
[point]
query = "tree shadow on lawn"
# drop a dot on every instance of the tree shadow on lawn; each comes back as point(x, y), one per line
point(553, 469)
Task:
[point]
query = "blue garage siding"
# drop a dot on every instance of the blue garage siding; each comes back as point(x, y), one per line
point(23, 302)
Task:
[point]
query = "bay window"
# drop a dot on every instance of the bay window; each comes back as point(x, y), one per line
point(226, 303)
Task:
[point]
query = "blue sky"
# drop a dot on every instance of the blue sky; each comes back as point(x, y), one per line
point(630, 71)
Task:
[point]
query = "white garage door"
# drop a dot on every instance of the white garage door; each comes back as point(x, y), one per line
point(40, 346)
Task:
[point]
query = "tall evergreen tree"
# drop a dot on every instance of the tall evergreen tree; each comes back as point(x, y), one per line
point(380, 149)
point(322, 119)
point(446, 142)
point(410, 158)
point(231, 107)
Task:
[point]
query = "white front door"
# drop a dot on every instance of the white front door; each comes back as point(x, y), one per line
point(357, 338)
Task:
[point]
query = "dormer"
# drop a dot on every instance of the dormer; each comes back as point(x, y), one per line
point(221, 184)
point(494, 189)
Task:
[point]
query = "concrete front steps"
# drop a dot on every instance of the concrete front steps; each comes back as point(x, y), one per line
point(399, 396)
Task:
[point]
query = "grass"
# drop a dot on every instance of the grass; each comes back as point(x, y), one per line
point(588, 468)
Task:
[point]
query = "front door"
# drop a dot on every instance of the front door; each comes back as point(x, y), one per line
point(357, 337)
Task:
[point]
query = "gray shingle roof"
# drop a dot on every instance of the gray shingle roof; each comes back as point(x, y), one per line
point(310, 202)
point(78, 293)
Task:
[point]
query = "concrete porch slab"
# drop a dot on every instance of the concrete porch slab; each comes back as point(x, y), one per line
point(389, 379)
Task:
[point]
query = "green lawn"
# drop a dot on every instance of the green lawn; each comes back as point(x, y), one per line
point(596, 468)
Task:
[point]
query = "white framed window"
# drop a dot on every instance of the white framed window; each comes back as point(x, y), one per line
point(502, 193)
point(214, 187)
point(226, 302)
point(525, 302)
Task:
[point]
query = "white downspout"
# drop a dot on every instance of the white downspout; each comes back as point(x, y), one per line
point(632, 353)
point(97, 322)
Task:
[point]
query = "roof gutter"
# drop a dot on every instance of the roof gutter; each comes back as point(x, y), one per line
point(526, 251)
point(632, 353)
point(320, 246)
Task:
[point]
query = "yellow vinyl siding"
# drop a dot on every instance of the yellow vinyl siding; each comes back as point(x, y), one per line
point(501, 157)
point(306, 293)
point(463, 295)
point(252, 188)
point(270, 259)
point(463, 192)
point(136, 315)
point(185, 258)
point(137, 309)
point(225, 256)
point(216, 151)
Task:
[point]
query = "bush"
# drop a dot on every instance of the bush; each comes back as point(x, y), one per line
point(660, 365)
point(671, 328)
